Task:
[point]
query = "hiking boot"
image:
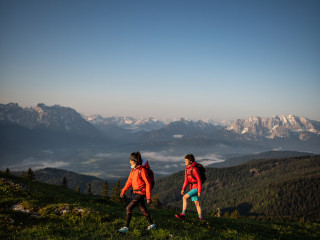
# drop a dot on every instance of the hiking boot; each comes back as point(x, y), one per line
point(151, 227)
point(181, 216)
point(123, 229)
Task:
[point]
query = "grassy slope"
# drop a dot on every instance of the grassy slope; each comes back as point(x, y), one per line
point(100, 219)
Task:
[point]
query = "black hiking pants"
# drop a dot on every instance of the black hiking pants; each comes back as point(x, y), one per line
point(138, 200)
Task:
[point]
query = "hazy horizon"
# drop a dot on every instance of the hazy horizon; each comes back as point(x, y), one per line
point(161, 118)
point(220, 60)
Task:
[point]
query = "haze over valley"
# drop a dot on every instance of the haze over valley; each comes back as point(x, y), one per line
point(60, 137)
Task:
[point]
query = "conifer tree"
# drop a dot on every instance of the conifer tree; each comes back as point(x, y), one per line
point(116, 192)
point(23, 174)
point(226, 215)
point(155, 201)
point(105, 190)
point(64, 182)
point(7, 172)
point(235, 214)
point(218, 213)
point(31, 175)
point(89, 189)
point(78, 189)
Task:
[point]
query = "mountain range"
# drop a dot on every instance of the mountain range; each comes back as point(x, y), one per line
point(277, 126)
point(55, 117)
point(127, 123)
point(59, 136)
point(67, 119)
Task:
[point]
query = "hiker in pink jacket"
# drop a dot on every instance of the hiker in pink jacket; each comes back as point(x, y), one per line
point(193, 179)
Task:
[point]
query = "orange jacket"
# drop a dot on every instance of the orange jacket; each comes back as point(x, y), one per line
point(140, 184)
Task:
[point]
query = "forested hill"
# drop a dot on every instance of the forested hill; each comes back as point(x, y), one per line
point(278, 189)
point(234, 161)
point(74, 180)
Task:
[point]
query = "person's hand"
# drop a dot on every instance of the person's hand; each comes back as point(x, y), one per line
point(199, 194)
point(148, 201)
point(182, 192)
point(121, 195)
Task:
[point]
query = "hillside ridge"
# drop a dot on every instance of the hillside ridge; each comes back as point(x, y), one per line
point(267, 189)
point(34, 210)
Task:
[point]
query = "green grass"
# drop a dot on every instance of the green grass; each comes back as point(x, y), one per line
point(101, 219)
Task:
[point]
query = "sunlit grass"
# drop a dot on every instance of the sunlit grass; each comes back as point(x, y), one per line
point(63, 214)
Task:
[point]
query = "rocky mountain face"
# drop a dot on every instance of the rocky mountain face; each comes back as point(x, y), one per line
point(127, 123)
point(183, 129)
point(276, 127)
point(67, 119)
point(48, 117)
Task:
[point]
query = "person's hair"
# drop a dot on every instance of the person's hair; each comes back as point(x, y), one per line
point(136, 157)
point(190, 157)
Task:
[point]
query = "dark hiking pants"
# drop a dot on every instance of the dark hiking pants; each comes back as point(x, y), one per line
point(137, 200)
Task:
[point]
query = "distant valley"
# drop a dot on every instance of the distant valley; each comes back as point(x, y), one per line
point(60, 137)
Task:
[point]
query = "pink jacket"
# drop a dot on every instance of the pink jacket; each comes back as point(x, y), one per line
point(188, 179)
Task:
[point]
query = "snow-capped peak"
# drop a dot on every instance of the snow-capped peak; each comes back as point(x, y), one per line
point(276, 126)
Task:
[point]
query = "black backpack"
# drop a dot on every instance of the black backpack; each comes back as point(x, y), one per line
point(202, 172)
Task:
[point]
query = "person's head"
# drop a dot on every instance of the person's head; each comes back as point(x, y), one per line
point(135, 159)
point(189, 159)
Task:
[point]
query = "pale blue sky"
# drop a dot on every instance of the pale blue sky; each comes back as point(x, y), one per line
point(195, 59)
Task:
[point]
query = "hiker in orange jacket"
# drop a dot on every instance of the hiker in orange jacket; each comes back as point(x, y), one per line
point(193, 179)
point(140, 182)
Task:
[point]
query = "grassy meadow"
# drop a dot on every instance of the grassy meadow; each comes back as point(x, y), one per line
point(34, 210)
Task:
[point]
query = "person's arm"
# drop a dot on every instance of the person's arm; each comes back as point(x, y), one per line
point(147, 180)
point(185, 184)
point(128, 185)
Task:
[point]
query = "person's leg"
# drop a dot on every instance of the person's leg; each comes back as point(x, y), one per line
point(130, 207)
point(185, 203)
point(195, 199)
point(184, 207)
point(144, 209)
point(193, 194)
point(197, 203)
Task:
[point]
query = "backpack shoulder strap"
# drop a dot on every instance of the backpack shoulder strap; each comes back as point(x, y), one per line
point(192, 173)
point(139, 173)
point(140, 170)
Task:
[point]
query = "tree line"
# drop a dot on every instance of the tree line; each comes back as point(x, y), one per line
point(29, 175)
point(114, 196)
